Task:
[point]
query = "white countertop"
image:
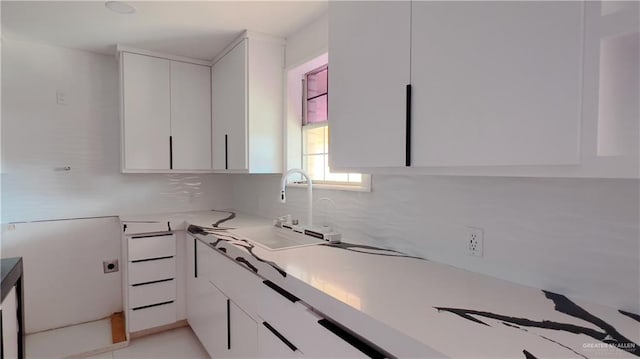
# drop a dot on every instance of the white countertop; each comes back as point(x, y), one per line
point(480, 316)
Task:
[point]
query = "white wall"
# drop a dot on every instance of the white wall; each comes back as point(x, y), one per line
point(64, 281)
point(309, 42)
point(573, 236)
point(40, 137)
point(63, 259)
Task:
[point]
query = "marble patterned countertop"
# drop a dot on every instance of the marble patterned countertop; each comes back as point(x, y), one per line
point(413, 307)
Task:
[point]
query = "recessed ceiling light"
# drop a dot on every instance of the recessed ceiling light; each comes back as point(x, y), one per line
point(120, 7)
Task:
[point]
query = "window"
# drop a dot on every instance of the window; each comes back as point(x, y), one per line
point(315, 132)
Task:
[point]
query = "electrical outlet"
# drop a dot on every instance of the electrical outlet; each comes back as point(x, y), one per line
point(60, 98)
point(475, 241)
point(110, 266)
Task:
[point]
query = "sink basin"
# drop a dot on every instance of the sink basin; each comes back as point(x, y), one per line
point(273, 238)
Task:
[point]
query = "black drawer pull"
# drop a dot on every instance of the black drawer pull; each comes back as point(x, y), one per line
point(292, 298)
point(195, 257)
point(153, 305)
point(228, 324)
point(152, 282)
point(226, 152)
point(407, 161)
point(152, 235)
point(170, 152)
point(280, 336)
point(354, 341)
point(151, 259)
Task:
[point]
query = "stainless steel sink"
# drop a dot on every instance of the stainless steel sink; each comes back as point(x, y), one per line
point(273, 238)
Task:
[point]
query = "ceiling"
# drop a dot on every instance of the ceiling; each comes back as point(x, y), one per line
point(186, 28)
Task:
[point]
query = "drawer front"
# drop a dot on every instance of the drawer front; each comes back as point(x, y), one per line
point(146, 294)
point(152, 246)
point(152, 317)
point(300, 325)
point(133, 228)
point(149, 271)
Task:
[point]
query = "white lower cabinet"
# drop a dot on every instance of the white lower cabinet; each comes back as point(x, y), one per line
point(224, 329)
point(235, 313)
point(207, 316)
point(152, 290)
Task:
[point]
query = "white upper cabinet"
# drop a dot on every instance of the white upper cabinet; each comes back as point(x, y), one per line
point(496, 83)
point(146, 124)
point(166, 114)
point(529, 88)
point(229, 103)
point(191, 116)
point(247, 105)
point(369, 63)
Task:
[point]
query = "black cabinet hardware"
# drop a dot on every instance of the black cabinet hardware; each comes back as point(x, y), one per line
point(151, 259)
point(170, 152)
point(226, 152)
point(354, 341)
point(407, 161)
point(228, 324)
point(153, 305)
point(195, 257)
point(152, 282)
point(292, 298)
point(153, 235)
point(280, 336)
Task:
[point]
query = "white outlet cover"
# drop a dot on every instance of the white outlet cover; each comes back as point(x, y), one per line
point(475, 241)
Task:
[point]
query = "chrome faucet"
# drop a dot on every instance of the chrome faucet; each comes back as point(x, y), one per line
point(283, 195)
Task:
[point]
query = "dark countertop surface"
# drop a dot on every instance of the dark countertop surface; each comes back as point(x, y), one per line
point(11, 270)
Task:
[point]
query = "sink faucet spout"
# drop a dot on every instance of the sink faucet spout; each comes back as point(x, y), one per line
point(283, 193)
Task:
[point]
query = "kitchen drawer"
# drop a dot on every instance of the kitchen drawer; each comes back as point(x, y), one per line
point(145, 318)
point(152, 246)
point(153, 270)
point(142, 228)
point(152, 293)
point(299, 324)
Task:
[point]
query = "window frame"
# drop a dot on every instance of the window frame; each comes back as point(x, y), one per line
point(365, 183)
point(293, 130)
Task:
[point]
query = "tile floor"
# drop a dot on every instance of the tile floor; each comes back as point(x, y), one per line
point(62, 342)
point(178, 343)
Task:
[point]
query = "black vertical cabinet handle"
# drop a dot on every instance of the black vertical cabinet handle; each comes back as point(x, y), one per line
point(280, 336)
point(195, 258)
point(407, 161)
point(226, 152)
point(170, 152)
point(228, 324)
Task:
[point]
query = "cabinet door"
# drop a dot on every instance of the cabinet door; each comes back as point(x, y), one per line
point(229, 106)
point(206, 304)
point(191, 116)
point(369, 63)
point(496, 83)
point(146, 112)
point(243, 331)
point(209, 318)
point(10, 325)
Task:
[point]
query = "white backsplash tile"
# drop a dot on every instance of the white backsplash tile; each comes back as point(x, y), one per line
point(574, 236)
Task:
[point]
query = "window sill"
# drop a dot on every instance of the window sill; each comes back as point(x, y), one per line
point(364, 187)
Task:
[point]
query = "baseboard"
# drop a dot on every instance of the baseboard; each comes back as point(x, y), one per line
point(160, 329)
